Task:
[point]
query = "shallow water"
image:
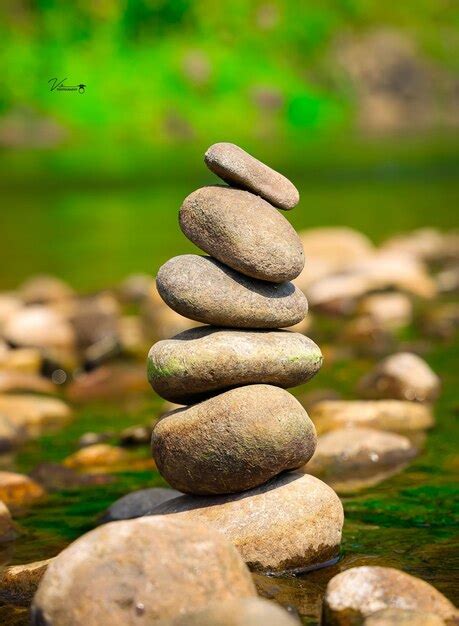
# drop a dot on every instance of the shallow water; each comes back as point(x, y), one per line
point(95, 237)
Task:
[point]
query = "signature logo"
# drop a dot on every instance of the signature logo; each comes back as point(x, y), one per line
point(58, 85)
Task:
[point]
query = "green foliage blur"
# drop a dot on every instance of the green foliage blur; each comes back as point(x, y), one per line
point(162, 72)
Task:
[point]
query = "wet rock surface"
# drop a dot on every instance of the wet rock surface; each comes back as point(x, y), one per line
point(234, 441)
point(203, 361)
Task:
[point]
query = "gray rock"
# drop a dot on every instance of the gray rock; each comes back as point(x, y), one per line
point(207, 291)
point(292, 523)
point(243, 231)
point(238, 168)
point(234, 441)
point(205, 360)
point(357, 593)
point(137, 504)
point(137, 572)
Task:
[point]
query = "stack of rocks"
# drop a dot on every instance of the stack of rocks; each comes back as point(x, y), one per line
point(240, 429)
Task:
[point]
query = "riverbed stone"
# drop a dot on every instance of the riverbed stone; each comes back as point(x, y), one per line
point(34, 414)
point(404, 376)
point(240, 612)
point(291, 523)
point(403, 617)
point(243, 231)
point(205, 360)
point(234, 441)
point(39, 326)
point(18, 490)
point(345, 455)
point(98, 456)
point(138, 503)
point(18, 583)
point(207, 291)
point(45, 289)
point(357, 593)
point(8, 529)
point(392, 415)
point(139, 571)
point(240, 169)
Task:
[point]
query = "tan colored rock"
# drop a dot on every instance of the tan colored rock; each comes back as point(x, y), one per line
point(347, 455)
point(159, 321)
point(43, 289)
point(8, 530)
point(18, 490)
point(357, 593)
point(108, 381)
point(99, 455)
point(24, 360)
point(403, 376)
point(391, 415)
point(390, 310)
point(11, 435)
point(426, 244)
point(207, 291)
point(34, 414)
point(137, 572)
point(39, 326)
point(135, 288)
point(234, 441)
point(292, 523)
point(202, 361)
point(403, 617)
point(10, 304)
point(243, 231)
point(20, 381)
point(237, 167)
point(18, 583)
point(240, 612)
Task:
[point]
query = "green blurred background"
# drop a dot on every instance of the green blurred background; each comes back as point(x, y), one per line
point(356, 100)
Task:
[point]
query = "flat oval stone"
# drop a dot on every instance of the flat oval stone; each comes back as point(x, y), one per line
point(237, 167)
point(205, 360)
point(293, 523)
point(233, 442)
point(208, 291)
point(242, 231)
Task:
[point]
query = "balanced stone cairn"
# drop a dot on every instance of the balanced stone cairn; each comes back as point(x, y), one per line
point(240, 428)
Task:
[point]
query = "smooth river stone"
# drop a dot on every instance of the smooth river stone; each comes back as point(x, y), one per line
point(208, 291)
point(205, 360)
point(234, 441)
point(359, 592)
point(242, 231)
point(137, 572)
point(292, 523)
point(240, 169)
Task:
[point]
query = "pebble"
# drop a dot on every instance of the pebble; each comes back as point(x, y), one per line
point(391, 415)
point(135, 436)
point(207, 291)
point(108, 381)
point(135, 288)
point(234, 441)
point(90, 438)
point(18, 490)
point(426, 244)
point(99, 455)
point(18, 583)
point(357, 593)
point(20, 381)
point(11, 435)
point(39, 326)
point(403, 617)
point(205, 360)
point(390, 310)
point(10, 304)
point(56, 477)
point(22, 360)
point(293, 523)
point(245, 612)
point(347, 454)
point(44, 289)
point(137, 504)
point(243, 231)
point(34, 414)
point(190, 565)
point(8, 529)
point(403, 376)
point(240, 169)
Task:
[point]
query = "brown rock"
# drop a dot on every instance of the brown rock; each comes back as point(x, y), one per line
point(17, 490)
point(108, 381)
point(236, 167)
point(243, 231)
point(56, 477)
point(240, 612)
point(19, 381)
point(44, 289)
point(144, 570)
point(234, 441)
point(202, 361)
point(402, 617)
point(11, 435)
point(357, 593)
point(404, 376)
point(207, 291)
point(22, 360)
point(8, 530)
point(34, 414)
point(392, 415)
point(390, 310)
point(137, 504)
point(294, 522)
point(18, 583)
point(99, 455)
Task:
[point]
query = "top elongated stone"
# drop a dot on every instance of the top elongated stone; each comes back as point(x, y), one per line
point(207, 291)
point(237, 167)
point(243, 231)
